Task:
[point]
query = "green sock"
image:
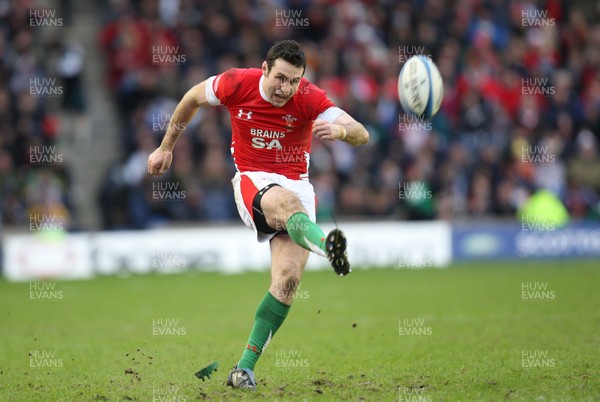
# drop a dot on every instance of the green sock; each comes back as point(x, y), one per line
point(306, 233)
point(269, 316)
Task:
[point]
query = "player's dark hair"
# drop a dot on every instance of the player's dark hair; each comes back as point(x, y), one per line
point(287, 50)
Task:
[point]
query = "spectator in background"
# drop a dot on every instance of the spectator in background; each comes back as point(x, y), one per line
point(69, 68)
point(584, 176)
point(470, 159)
point(473, 151)
point(44, 192)
point(28, 187)
point(13, 207)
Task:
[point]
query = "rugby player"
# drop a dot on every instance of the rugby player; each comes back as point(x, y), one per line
point(274, 113)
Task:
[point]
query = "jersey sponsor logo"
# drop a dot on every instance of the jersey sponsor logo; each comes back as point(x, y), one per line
point(244, 115)
point(259, 132)
point(289, 119)
point(268, 139)
point(259, 142)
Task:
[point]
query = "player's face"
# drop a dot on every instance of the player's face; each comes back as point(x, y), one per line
point(281, 81)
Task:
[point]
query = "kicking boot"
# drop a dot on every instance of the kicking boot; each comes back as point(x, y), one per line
point(336, 252)
point(241, 378)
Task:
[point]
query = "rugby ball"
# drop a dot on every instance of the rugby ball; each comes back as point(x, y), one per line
point(420, 87)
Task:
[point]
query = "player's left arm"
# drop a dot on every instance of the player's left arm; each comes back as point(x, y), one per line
point(343, 128)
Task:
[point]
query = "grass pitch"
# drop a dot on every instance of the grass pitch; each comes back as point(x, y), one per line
point(468, 332)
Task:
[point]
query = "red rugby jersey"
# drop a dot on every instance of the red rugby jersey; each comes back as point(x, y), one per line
point(266, 138)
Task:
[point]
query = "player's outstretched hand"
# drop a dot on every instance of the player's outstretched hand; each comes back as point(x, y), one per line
point(159, 161)
point(324, 130)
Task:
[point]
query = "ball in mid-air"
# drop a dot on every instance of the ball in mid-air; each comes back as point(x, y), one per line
point(420, 87)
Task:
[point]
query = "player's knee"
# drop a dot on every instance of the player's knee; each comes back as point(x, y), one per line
point(290, 205)
point(287, 288)
point(286, 285)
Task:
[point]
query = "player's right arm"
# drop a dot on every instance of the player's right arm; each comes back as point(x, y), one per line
point(160, 160)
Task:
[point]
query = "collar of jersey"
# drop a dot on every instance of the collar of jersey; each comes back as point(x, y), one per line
point(260, 88)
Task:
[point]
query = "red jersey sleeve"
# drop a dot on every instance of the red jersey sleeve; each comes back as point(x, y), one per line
point(315, 99)
point(226, 84)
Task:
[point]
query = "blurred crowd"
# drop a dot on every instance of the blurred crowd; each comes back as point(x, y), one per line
point(521, 110)
point(40, 80)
